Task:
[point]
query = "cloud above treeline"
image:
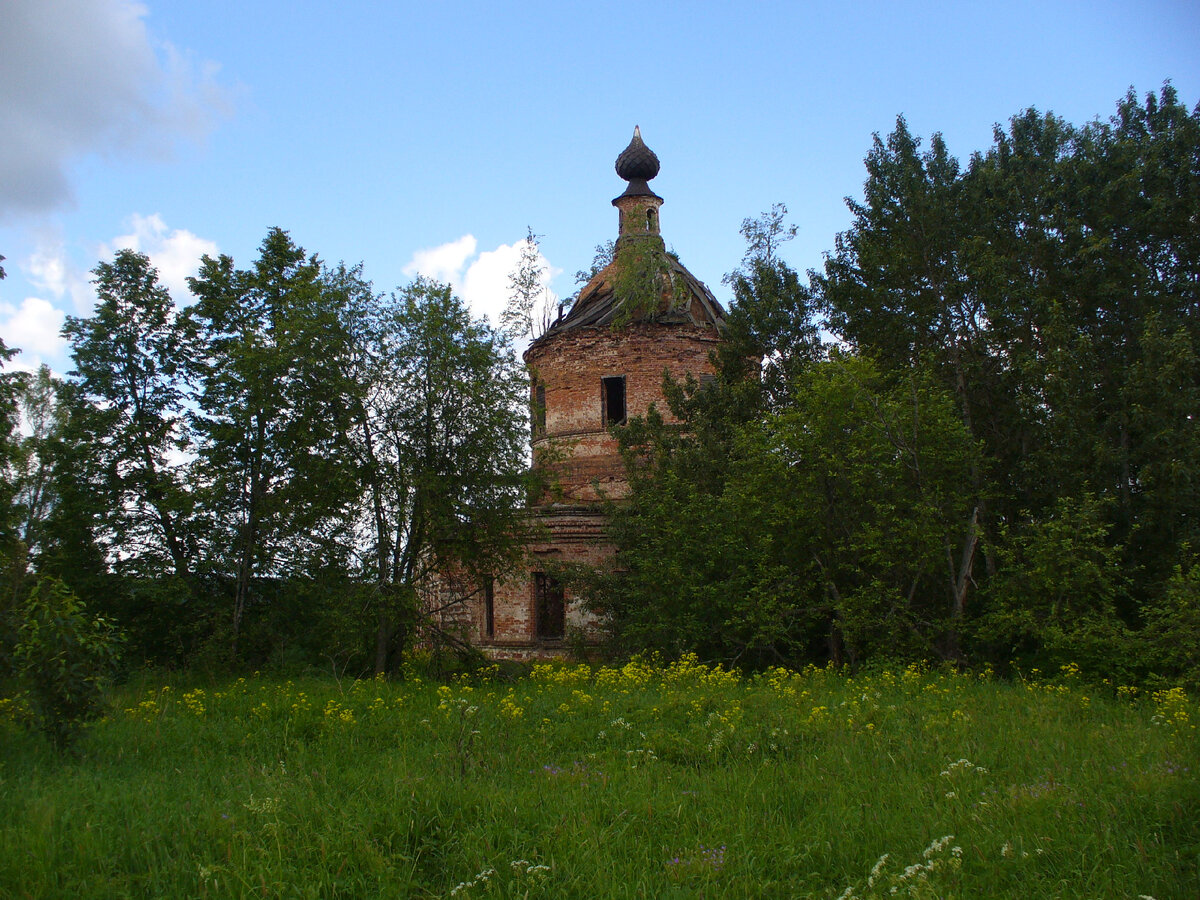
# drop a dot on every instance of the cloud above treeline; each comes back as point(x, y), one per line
point(481, 279)
point(63, 288)
point(85, 76)
point(174, 252)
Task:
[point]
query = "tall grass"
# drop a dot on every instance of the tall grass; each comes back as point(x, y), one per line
point(640, 781)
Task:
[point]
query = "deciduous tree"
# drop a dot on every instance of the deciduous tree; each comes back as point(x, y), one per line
point(273, 413)
point(130, 356)
point(440, 434)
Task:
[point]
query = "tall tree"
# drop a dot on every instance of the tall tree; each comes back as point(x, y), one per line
point(53, 477)
point(9, 386)
point(771, 332)
point(273, 413)
point(530, 308)
point(130, 356)
point(1053, 285)
point(10, 383)
point(440, 437)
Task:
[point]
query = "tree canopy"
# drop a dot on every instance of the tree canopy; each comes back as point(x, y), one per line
point(994, 454)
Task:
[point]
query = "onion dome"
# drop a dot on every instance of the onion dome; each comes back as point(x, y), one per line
point(637, 164)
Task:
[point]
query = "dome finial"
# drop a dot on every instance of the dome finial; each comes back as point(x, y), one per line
point(637, 164)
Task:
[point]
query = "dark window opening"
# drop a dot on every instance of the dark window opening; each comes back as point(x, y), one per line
point(707, 381)
point(650, 220)
point(489, 607)
point(539, 409)
point(612, 399)
point(551, 607)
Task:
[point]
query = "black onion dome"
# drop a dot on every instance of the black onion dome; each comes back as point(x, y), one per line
point(637, 162)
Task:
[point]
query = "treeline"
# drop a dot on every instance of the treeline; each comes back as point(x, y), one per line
point(971, 436)
point(263, 476)
point(974, 434)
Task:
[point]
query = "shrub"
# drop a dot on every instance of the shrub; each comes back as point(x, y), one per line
point(63, 658)
point(1171, 637)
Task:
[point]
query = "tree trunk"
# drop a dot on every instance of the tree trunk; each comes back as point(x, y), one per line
point(383, 638)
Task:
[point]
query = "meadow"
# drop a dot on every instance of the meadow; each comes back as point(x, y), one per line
point(643, 780)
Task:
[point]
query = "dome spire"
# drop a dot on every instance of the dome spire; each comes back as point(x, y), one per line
point(637, 164)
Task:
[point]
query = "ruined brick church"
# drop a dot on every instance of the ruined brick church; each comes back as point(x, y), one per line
point(590, 372)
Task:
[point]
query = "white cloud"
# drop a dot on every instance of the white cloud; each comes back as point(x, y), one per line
point(443, 263)
point(64, 288)
point(175, 252)
point(484, 286)
point(480, 279)
point(84, 76)
point(33, 327)
point(51, 271)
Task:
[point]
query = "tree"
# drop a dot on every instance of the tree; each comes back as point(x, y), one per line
point(771, 332)
point(273, 391)
point(1052, 287)
point(836, 526)
point(530, 304)
point(40, 406)
point(602, 257)
point(440, 429)
point(63, 657)
point(10, 385)
point(11, 551)
point(765, 234)
point(51, 478)
point(130, 357)
point(1055, 591)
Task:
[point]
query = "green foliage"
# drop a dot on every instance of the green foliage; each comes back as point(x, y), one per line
point(274, 400)
point(55, 501)
point(765, 234)
point(771, 332)
point(643, 281)
point(129, 356)
point(528, 312)
point(1050, 286)
point(834, 525)
point(63, 657)
point(1170, 641)
point(1056, 589)
point(439, 434)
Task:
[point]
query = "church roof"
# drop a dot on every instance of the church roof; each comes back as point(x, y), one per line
point(689, 303)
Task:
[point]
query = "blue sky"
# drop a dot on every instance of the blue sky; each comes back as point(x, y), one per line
point(428, 136)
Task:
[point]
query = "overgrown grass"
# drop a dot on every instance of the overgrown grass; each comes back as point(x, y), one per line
point(642, 781)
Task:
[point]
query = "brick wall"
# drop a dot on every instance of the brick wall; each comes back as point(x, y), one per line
point(571, 365)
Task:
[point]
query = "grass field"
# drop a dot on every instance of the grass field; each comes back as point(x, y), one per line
point(641, 781)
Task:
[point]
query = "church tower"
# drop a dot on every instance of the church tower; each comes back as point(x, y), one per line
point(643, 317)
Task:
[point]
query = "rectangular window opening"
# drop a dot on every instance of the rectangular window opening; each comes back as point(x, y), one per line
point(539, 410)
point(612, 399)
point(489, 607)
point(551, 607)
